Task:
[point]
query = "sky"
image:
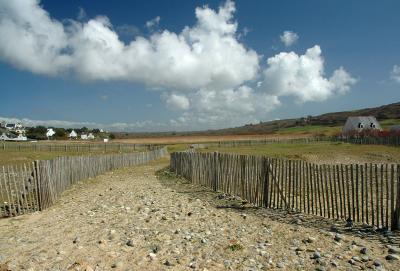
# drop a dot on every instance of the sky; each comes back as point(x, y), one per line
point(193, 65)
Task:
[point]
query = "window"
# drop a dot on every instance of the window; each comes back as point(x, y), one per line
point(360, 125)
point(372, 125)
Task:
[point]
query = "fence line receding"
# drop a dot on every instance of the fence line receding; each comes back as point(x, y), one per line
point(365, 193)
point(36, 186)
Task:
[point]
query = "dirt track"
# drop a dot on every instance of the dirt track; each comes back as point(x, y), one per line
point(130, 220)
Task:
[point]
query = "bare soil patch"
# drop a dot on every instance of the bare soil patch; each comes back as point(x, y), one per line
point(131, 220)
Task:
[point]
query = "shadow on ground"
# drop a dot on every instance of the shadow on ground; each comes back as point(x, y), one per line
point(222, 201)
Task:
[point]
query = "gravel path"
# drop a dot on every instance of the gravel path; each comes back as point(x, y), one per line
point(131, 220)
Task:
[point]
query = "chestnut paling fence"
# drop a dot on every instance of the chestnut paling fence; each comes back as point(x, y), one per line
point(74, 147)
point(36, 186)
point(365, 193)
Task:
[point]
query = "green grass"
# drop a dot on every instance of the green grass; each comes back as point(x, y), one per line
point(177, 147)
point(320, 152)
point(311, 129)
point(327, 130)
point(387, 123)
point(21, 157)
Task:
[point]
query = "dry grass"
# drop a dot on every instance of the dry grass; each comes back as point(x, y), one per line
point(204, 138)
point(21, 157)
point(321, 152)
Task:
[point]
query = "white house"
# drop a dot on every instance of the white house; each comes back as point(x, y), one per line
point(10, 126)
point(50, 132)
point(4, 137)
point(16, 127)
point(73, 135)
point(20, 137)
point(90, 136)
point(361, 123)
point(84, 136)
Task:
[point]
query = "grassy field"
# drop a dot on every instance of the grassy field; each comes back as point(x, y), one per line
point(320, 152)
point(310, 130)
point(173, 140)
point(20, 157)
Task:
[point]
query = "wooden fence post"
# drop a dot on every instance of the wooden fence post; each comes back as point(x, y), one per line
point(396, 214)
point(215, 164)
point(266, 181)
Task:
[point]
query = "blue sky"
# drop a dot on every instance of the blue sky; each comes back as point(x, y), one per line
point(344, 57)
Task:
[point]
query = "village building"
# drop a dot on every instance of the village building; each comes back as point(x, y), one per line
point(50, 133)
point(20, 137)
point(361, 123)
point(4, 137)
point(16, 127)
point(10, 126)
point(90, 136)
point(73, 135)
point(84, 136)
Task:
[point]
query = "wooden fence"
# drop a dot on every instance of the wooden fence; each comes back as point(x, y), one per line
point(37, 186)
point(75, 147)
point(389, 140)
point(255, 142)
point(370, 140)
point(367, 193)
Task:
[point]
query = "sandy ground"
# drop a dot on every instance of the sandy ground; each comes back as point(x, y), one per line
point(131, 220)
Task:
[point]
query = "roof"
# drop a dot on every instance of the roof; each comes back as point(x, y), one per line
point(352, 122)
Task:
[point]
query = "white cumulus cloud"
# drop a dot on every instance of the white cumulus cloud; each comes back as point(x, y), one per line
point(302, 76)
point(289, 38)
point(177, 102)
point(205, 70)
point(153, 22)
point(225, 108)
point(207, 54)
point(395, 73)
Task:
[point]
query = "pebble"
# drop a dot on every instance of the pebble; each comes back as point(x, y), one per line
point(316, 255)
point(365, 258)
point(76, 240)
point(393, 250)
point(377, 263)
point(167, 263)
point(280, 265)
point(334, 264)
point(364, 250)
point(310, 239)
point(338, 237)
point(129, 243)
point(152, 255)
point(300, 248)
point(392, 257)
point(117, 265)
point(227, 263)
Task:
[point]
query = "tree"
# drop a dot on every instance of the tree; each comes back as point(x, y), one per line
point(112, 136)
point(60, 133)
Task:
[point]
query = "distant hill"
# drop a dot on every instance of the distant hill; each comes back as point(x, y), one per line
point(385, 112)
